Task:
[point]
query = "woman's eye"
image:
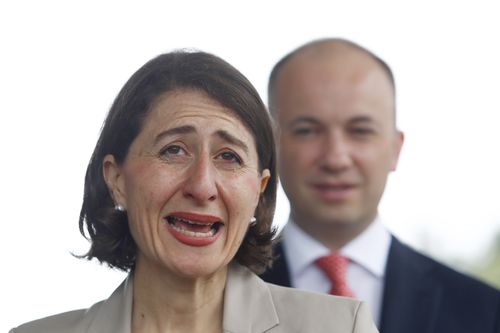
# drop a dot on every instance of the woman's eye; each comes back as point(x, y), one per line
point(172, 150)
point(230, 157)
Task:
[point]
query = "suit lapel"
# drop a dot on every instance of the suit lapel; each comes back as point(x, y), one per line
point(248, 304)
point(114, 314)
point(279, 273)
point(411, 296)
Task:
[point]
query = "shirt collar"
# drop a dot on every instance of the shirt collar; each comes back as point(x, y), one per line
point(301, 247)
point(369, 249)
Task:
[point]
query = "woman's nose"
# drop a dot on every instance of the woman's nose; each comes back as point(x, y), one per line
point(200, 184)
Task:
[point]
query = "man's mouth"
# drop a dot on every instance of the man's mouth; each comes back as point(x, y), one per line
point(339, 187)
point(334, 192)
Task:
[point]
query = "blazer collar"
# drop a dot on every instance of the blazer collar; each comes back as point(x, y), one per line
point(115, 313)
point(248, 304)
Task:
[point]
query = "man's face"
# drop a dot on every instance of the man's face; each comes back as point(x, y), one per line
point(338, 140)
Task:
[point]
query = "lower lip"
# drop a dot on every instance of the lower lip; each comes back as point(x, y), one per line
point(191, 240)
point(334, 195)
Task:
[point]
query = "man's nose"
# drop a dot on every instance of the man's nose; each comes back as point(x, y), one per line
point(200, 184)
point(336, 151)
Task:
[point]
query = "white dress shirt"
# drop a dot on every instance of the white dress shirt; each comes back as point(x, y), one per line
point(367, 256)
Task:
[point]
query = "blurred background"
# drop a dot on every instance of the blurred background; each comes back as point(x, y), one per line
point(63, 62)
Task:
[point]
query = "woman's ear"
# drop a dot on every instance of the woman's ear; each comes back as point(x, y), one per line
point(266, 174)
point(114, 180)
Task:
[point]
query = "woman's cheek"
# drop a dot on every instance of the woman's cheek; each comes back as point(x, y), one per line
point(252, 185)
point(156, 182)
point(247, 196)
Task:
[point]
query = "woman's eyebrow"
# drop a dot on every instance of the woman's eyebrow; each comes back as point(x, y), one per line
point(173, 131)
point(226, 136)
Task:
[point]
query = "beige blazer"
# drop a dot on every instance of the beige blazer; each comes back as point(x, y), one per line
point(250, 306)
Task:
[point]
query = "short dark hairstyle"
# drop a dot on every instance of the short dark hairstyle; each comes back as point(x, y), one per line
point(279, 65)
point(107, 228)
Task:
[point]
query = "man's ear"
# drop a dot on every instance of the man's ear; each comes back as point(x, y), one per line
point(398, 144)
point(114, 180)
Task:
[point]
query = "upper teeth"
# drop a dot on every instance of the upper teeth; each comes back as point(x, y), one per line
point(188, 221)
point(178, 228)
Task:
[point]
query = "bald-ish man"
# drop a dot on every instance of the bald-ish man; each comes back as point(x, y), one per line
point(334, 103)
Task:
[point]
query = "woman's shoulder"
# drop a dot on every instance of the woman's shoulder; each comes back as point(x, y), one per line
point(76, 321)
point(110, 315)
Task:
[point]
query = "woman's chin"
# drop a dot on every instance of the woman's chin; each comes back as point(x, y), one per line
point(195, 270)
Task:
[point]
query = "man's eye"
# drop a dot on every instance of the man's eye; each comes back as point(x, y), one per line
point(304, 131)
point(362, 131)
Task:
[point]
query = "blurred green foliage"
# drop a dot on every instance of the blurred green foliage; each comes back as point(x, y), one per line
point(484, 267)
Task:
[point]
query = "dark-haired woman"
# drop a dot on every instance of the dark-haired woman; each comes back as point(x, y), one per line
point(180, 191)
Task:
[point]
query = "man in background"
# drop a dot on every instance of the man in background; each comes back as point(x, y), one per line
point(334, 103)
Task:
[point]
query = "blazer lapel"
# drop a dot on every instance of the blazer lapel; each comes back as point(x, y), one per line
point(114, 314)
point(248, 304)
point(411, 296)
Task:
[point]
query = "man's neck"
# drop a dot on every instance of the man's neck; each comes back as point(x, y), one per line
point(332, 234)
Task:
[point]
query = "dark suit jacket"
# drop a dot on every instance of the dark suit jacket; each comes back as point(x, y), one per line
point(423, 296)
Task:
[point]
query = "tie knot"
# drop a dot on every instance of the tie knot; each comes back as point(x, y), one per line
point(335, 267)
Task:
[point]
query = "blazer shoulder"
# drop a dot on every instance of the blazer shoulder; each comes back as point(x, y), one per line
point(109, 315)
point(448, 277)
point(76, 321)
point(306, 311)
point(418, 287)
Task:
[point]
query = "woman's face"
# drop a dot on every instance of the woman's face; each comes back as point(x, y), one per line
point(190, 184)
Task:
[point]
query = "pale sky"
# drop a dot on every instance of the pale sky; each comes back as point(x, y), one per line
point(63, 62)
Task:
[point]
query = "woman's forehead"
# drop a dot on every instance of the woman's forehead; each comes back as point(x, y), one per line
point(197, 111)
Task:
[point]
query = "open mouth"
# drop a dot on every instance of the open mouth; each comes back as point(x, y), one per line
point(193, 228)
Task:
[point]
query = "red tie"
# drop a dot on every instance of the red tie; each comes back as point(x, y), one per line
point(335, 267)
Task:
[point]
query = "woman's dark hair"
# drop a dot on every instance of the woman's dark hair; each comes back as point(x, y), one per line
point(107, 228)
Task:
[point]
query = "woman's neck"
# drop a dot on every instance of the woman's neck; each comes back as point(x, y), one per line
point(164, 302)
